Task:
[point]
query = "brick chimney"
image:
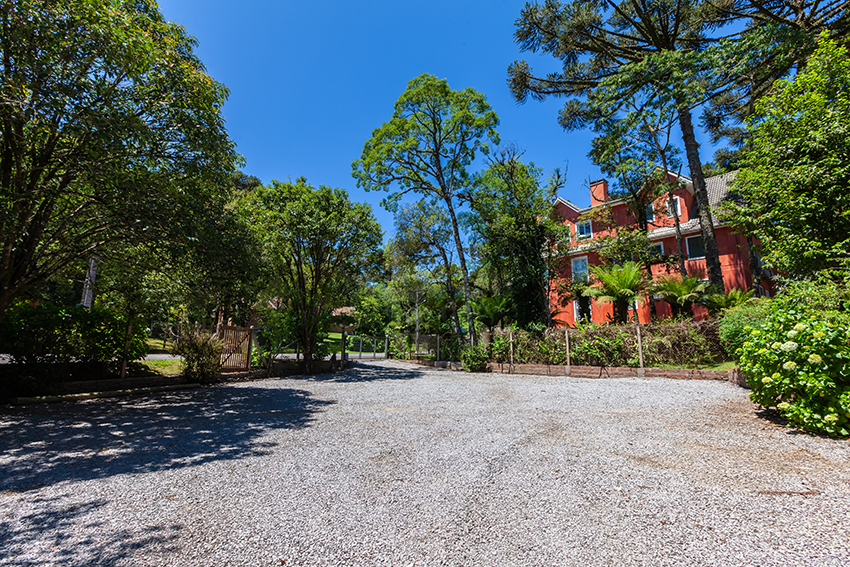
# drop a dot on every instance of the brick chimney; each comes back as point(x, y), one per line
point(598, 192)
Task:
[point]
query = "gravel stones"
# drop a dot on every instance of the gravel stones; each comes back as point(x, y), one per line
point(391, 464)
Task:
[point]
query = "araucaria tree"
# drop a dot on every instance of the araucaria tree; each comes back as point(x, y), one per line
point(110, 130)
point(794, 186)
point(426, 147)
point(316, 243)
point(612, 50)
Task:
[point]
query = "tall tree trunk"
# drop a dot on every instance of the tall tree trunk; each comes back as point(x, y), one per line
point(709, 242)
point(450, 290)
point(466, 294)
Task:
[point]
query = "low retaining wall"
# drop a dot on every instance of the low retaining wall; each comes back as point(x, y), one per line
point(733, 375)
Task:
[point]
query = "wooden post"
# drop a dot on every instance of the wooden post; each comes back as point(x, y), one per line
point(567, 341)
point(250, 346)
point(374, 347)
point(386, 347)
point(511, 365)
point(438, 351)
point(342, 356)
point(641, 371)
point(360, 355)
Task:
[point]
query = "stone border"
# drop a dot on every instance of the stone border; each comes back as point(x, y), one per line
point(735, 376)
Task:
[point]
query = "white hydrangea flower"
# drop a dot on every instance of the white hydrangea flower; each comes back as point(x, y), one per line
point(790, 346)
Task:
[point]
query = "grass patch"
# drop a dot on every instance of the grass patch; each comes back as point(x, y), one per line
point(164, 367)
point(157, 346)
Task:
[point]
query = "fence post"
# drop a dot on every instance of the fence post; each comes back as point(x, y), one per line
point(386, 347)
point(360, 355)
point(511, 365)
point(641, 371)
point(374, 347)
point(567, 341)
point(250, 346)
point(438, 351)
point(342, 358)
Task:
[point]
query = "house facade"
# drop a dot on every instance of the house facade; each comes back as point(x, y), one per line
point(735, 257)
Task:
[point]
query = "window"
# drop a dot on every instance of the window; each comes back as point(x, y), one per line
point(650, 213)
point(584, 229)
point(693, 244)
point(673, 204)
point(579, 268)
point(657, 248)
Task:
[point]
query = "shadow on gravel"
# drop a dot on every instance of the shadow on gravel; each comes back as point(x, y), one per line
point(46, 535)
point(46, 444)
point(370, 372)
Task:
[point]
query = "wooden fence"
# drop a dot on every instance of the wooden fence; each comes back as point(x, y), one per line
point(236, 354)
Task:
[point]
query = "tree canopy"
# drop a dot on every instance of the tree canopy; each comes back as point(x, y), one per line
point(110, 129)
point(426, 147)
point(794, 186)
point(317, 244)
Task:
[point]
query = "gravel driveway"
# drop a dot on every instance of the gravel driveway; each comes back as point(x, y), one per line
point(389, 464)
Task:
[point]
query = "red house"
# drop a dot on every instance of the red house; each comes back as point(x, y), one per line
point(734, 252)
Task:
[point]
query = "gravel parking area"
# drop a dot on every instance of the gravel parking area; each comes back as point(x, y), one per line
point(390, 464)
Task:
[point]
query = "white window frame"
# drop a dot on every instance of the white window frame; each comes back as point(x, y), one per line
point(576, 311)
point(658, 245)
point(688, 247)
point(650, 212)
point(579, 235)
point(573, 266)
point(675, 200)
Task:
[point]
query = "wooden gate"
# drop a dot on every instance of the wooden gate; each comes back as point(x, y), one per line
point(236, 354)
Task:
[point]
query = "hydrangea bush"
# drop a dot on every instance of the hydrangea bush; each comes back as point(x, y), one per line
point(799, 363)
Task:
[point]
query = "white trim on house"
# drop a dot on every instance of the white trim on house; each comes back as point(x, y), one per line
point(581, 235)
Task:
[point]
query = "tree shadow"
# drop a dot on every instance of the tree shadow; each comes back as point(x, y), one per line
point(50, 443)
point(370, 372)
point(47, 535)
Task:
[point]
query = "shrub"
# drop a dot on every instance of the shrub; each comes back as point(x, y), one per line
point(54, 343)
point(201, 352)
point(475, 359)
point(799, 365)
point(736, 323)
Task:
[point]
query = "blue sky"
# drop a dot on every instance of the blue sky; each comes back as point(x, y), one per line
point(310, 81)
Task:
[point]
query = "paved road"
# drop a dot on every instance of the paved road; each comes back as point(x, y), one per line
point(389, 464)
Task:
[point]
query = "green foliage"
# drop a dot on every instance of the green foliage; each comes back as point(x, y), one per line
point(475, 359)
point(736, 323)
point(512, 224)
point(201, 352)
point(489, 311)
point(57, 343)
point(717, 303)
point(795, 176)
point(680, 293)
point(426, 147)
point(110, 131)
point(315, 242)
point(277, 330)
point(801, 366)
point(620, 285)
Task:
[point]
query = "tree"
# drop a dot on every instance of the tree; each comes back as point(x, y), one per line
point(621, 285)
point(778, 37)
point(315, 241)
point(680, 293)
point(612, 50)
point(423, 236)
point(426, 147)
point(110, 130)
point(794, 186)
point(511, 218)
